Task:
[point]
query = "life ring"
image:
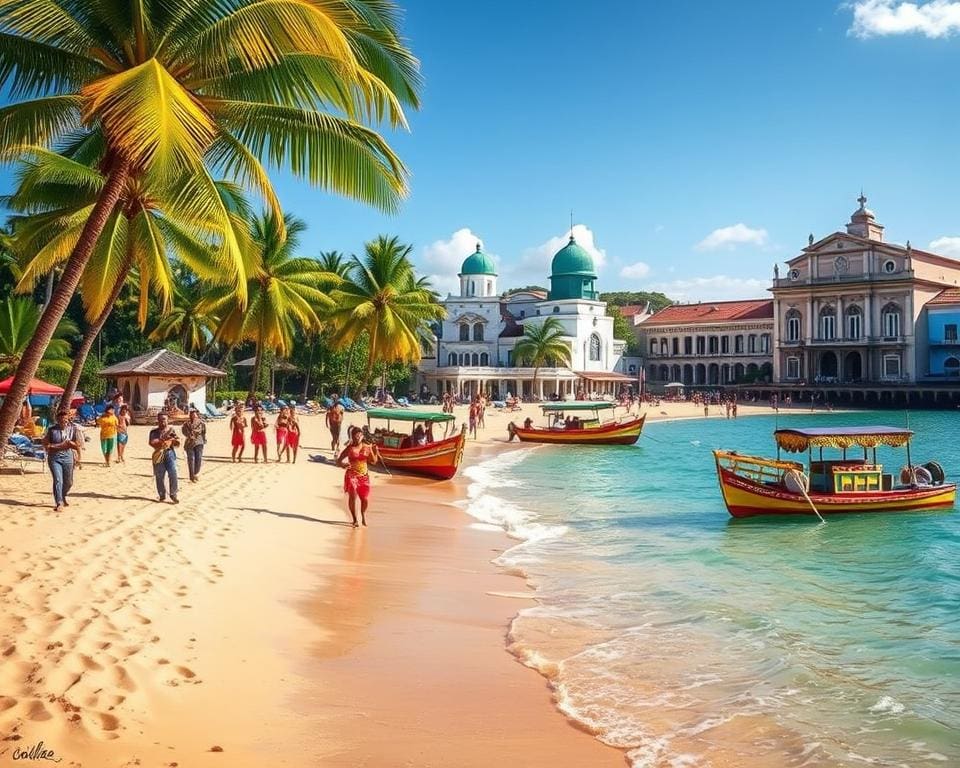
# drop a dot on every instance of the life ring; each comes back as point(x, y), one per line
point(511, 430)
point(915, 475)
point(936, 471)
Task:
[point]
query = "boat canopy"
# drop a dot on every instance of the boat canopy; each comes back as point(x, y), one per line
point(798, 440)
point(577, 405)
point(396, 414)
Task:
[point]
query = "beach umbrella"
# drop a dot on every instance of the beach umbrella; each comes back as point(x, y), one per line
point(36, 387)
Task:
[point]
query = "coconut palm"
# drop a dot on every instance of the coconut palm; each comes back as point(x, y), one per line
point(55, 194)
point(285, 292)
point(188, 321)
point(542, 344)
point(18, 322)
point(174, 89)
point(383, 298)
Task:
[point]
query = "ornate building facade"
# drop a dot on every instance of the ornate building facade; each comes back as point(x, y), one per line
point(709, 343)
point(474, 349)
point(848, 309)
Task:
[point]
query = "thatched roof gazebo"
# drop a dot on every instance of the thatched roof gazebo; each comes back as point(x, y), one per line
point(160, 380)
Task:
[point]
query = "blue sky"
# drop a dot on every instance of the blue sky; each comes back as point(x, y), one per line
point(696, 142)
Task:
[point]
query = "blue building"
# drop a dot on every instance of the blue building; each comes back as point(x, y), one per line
point(943, 323)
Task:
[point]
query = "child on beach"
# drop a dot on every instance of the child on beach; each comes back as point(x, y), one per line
point(293, 436)
point(356, 479)
point(334, 420)
point(258, 433)
point(123, 421)
point(108, 433)
point(238, 424)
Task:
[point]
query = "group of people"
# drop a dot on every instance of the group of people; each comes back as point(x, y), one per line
point(287, 433)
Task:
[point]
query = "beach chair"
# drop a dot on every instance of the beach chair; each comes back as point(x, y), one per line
point(283, 403)
point(86, 415)
point(213, 413)
point(98, 410)
point(350, 405)
point(269, 407)
point(20, 450)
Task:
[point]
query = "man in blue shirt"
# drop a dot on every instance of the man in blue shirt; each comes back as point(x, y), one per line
point(61, 440)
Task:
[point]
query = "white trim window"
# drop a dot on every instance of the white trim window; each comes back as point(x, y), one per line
point(890, 321)
point(793, 368)
point(793, 325)
point(828, 324)
point(854, 322)
point(891, 366)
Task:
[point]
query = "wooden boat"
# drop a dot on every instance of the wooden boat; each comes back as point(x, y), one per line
point(400, 450)
point(752, 485)
point(591, 430)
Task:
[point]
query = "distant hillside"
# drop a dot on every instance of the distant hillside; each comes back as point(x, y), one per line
point(623, 298)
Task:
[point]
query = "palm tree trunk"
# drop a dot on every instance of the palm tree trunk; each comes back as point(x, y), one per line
point(256, 371)
point(533, 384)
point(93, 330)
point(371, 359)
point(346, 378)
point(48, 294)
point(62, 294)
point(306, 380)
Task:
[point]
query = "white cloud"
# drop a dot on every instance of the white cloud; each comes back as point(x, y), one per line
point(715, 288)
point(540, 256)
point(730, 237)
point(441, 260)
point(946, 246)
point(935, 18)
point(635, 271)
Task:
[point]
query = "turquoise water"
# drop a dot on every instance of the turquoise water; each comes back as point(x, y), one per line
point(692, 639)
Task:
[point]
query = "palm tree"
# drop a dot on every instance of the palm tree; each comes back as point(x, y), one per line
point(383, 298)
point(55, 194)
point(173, 89)
point(18, 322)
point(188, 320)
point(285, 292)
point(542, 344)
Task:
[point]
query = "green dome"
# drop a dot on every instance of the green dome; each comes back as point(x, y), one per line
point(573, 259)
point(478, 263)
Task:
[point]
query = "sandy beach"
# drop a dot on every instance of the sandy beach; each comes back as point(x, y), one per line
point(251, 625)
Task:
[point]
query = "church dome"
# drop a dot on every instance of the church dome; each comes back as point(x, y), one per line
point(478, 263)
point(573, 259)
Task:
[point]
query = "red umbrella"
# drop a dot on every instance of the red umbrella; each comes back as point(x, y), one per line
point(37, 387)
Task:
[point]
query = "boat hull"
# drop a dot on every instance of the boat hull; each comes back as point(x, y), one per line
point(621, 433)
point(439, 460)
point(747, 498)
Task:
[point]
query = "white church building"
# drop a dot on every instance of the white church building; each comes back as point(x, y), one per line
point(474, 350)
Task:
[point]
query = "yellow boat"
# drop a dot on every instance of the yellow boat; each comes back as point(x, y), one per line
point(752, 485)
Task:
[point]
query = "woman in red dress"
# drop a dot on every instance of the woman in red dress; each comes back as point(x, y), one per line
point(238, 425)
point(282, 425)
point(258, 433)
point(356, 480)
point(293, 435)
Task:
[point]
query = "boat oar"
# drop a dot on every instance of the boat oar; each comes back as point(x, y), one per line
point(801, 485)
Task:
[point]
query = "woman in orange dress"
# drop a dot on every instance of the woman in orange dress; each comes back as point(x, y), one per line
point(356, 480)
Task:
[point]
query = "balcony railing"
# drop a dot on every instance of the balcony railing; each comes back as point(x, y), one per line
point(944, 342)
point(860, 341)
point(786, 282)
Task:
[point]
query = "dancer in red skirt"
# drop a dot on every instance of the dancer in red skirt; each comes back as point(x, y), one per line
point(238, 424)
point(258, 433)
point(356, 480)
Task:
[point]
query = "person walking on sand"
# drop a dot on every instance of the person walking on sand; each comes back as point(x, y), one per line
point(195, 434)
point(164, 441)
point(60, 442)
point(293, 435)
point(334, 420)
point(123, 422)
point(474, 410)
point(356, 479)
point(258, 433)
point(282, 426)
point(108, 433)
point(238, 425)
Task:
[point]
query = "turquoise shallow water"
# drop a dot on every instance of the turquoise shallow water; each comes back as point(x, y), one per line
point(692, 639)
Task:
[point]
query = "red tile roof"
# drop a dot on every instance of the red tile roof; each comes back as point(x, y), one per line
point(714, 312)
point(946, 296)
point(633, 309)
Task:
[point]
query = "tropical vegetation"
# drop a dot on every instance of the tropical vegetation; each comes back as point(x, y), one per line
point(18, 322)
point(169, 94)
point(542, 345)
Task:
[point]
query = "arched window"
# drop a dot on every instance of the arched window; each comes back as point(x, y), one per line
point(475, 359)
point(595, 346)
point(853, 322)
point(473, 288)
point(663, 348)
point(828, 323)
point(951, 367)
point(752, 343)
point(765, 343)
point(793, 325)
point(738, 344)
point(484, 358)
point(464, 332)
point(489, 287)
point(890, 320)
point(654, 345)
point(452, 358)
point(478, 332)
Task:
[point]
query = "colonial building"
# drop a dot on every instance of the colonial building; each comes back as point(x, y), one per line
point(943, 342)
point(474, 350)
point(847, 309)
point(709, 343)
